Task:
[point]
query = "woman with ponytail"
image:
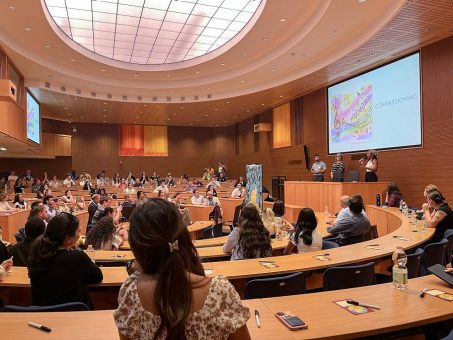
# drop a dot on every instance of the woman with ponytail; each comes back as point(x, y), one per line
point(169, 297)
point(59, 274)
point(305, 237)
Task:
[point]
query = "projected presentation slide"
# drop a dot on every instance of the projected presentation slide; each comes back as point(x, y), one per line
point(379, 109)
point(33, 128)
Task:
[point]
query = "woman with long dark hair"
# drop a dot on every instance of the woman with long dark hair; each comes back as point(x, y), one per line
point(170, 297)
point(305, 237)
point(57, 273)
point(393, 195)
point(250, 239)
point(103, 236)
point(19, 202)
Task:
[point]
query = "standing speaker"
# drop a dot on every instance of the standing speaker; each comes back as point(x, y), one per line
point(307, 159)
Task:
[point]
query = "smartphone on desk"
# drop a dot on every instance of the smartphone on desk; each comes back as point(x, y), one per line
point(291, 321)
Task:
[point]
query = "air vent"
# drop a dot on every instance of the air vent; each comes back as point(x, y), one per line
point(93, 94)
point(209, 96)
point(195, 97)
point(139, 98)
point(62, 88)
point(154, 99)
point(109, 95)
point(47, 84)
point(183, 99)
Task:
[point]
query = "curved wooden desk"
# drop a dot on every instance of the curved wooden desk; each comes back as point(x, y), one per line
point(400, 310)
point(391, 219)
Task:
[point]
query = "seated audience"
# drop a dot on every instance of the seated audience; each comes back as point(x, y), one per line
point(68, 182)
point(269, 221)
point(141, 197)
point(130, 189)
point(67, 197)
point(442, 216)
point(20, 185)
point(161, 187)
point(57, 273)
point(170, 297)
point(39, 211)
point(80, 203)
point(211, 200)
point(211, 188)
point(241, 181)
point(344, 203)
point(250, 239)
point(306, 236)
point(19, 202)
point(239, 192)
point(190, 187)
point(197, 199)
point(170, 182)
point(353, 226)
point(92, 207)
point(103, 236)
point(20, 251)
point(104, 202)
point(55, 184)
point(393, 195)
point(4, 205)
point(279, 211)
point(116, 180)
point(222, 178)
point(215, 183)
point(51, 206)
point(36, 186)
point(128, 202)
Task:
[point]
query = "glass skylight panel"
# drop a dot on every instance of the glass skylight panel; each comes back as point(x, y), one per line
point(152, 32)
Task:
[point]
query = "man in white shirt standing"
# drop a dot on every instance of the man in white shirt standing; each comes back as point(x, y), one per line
point(318, 169)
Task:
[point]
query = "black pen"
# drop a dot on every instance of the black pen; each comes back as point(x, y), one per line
point(361, 304)
point(423, 292)
point(257, 318)
point(38, 326)
point(373, 245)
point(323, 254)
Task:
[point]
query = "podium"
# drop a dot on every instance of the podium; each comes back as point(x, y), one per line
point(318, 195)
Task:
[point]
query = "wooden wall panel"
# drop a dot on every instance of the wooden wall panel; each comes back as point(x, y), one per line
point(63, 145)
point(13, 120)
point(281, 129)
point(156, 141)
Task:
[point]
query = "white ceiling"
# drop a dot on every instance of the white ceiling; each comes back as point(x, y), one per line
point(295, 47)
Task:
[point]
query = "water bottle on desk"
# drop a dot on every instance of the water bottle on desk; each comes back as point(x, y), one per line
point(399, 271)
point(91, 253)
point(378, 200)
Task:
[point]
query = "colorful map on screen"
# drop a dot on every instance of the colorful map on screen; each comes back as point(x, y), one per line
point(33, 119)
point(352, 116)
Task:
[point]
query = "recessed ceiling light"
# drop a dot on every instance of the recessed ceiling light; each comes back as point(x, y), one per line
point(3, 149)
point(248, 110)
point(105, 121)
point(361, 1)
point(242, 81)
point(171, 92)
point(273, 70)
point(47, 46)
point(27, 28)
point(282, 20)
point(198, 72)
point(168, 118)
point(168, 75)
point(206, 115)
point(281, 96)
point(65, 108)
point(227, 102)
point(105, 103)
point(135, 74)
point(216, 109)
point(262, 104)
point(190, 124)
point(73, 60)
point(102, 70)
point(137, 117)
point(198, 120)
point(222, 64)
point(225, 121)
point(264, 39)
point(105, 110)
point(334, 32)
point(12, 7)
point(145, 105)
point(181, 107)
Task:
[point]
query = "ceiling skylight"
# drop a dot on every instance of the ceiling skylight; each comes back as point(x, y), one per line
point(153, 32)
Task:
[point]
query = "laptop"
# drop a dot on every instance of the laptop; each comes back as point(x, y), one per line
point(439, 271)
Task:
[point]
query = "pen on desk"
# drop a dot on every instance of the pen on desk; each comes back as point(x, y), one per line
point(257, 318)
point(361, 304)
point(38, 326)
point(423, 292)
point(373, 245)
point(327, 254)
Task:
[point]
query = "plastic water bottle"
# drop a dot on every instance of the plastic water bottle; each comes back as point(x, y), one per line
point(405, 209)
point(399, 268)
point(91, 253)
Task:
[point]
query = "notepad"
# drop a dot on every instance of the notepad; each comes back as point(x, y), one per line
point(353, 309)
point(440, 294)
point(268, 264)
point(322, 258)
point(374, 247)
